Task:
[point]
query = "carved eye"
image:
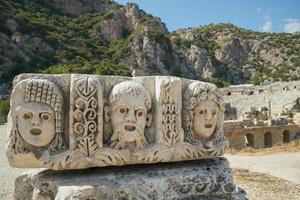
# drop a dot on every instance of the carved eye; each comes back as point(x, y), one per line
point(201, 112)
point(26, 115)
point(122, 110)
point(140, 113)
point(214, 112)
point(45, 116)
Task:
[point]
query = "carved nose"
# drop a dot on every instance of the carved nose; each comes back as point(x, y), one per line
point(130, 116)
point(207, 115)
point(35, 123)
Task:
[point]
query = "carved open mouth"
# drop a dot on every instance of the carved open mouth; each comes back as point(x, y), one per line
point(129, 127)
point(35, 131)
point(208, 125)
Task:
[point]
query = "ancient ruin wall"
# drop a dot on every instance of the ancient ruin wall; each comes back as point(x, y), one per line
point(280, 95)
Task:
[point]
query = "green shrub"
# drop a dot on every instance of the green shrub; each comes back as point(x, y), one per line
point(79, 47)
point(106, 67)
point(3, 27)
point(18, 59)
point(219, 82)
point(2, 61)
point(4, 107)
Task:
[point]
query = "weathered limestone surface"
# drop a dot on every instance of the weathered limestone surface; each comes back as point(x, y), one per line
point(201, 179)
point(81, 121)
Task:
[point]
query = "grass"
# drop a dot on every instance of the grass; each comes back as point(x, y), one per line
point(4, 107)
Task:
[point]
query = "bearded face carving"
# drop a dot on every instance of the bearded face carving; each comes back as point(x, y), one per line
point(129, 106)
point(36, 123)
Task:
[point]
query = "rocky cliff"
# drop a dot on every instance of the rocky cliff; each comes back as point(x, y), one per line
point(102, 37)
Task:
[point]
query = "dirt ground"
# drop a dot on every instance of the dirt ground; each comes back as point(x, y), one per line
point(7, 173)
point(285, 165)
point(257, 185)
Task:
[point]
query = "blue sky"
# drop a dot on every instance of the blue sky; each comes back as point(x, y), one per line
point(257, 15)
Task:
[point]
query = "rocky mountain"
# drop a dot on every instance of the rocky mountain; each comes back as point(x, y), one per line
point(102, 37)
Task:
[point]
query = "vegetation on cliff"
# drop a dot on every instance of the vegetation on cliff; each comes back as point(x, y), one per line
point(51, 37)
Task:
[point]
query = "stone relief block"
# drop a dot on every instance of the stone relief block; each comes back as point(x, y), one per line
point(81, 121)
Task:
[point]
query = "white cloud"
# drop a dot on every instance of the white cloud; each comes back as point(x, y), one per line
point(291, 26)
point(258, 10)
point(268, 25)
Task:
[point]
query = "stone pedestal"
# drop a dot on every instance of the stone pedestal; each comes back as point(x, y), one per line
point(199, 179)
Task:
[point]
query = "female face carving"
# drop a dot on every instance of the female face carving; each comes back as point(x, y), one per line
point(205, 119)
point(36, 123)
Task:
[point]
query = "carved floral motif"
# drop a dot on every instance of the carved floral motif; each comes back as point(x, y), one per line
point(85, 116)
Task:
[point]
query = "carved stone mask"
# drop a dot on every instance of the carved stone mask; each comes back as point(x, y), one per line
point(36, 123)
point(205, 119)
point(129, 116)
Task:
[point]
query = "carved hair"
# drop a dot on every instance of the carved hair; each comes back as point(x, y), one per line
point(195, 93)
point(130, 88)
point(44, 91)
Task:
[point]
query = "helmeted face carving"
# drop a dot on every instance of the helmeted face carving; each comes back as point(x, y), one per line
point(36, 123)
point(129, 105)
point(205, 118)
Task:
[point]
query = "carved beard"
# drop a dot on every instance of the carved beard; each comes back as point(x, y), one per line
point(122, 137)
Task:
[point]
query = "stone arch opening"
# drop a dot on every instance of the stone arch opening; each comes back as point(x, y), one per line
point(268, 139)
point(286, 136)
point(250, 140)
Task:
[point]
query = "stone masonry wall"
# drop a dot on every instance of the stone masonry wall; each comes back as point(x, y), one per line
point(237, 137)
point(280, 94)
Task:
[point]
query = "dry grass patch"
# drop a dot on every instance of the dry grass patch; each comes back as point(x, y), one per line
point(293, 146)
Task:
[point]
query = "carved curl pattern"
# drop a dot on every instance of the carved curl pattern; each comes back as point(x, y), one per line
point(15, 143)
point(203, 185)
point(76, 159)
point(130, 89)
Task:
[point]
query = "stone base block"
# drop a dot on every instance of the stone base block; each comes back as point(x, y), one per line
point(200, 179)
